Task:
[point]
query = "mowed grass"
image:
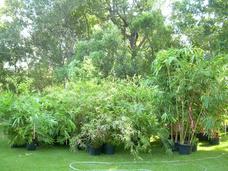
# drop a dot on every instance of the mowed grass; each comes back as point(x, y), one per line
point(208, 158)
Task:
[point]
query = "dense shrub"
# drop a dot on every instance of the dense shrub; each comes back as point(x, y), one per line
point(24, 122)
point(6, 100)
point(187, 93)
point(121, 112)
point(61, 105)
point(194, 91)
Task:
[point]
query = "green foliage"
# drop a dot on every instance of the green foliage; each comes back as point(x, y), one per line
point(203, 22)
point(24, 122)
point(100, 54)
point(19, 85)
point(43, 40)
point(119, 112)
point(96, 132)
point(190, 82)
point(134, 112)
point(6, 100)
point(87, 112)
point(60, 105)
point(91, 63)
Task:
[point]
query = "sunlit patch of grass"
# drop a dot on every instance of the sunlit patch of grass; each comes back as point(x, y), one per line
point(223, 146)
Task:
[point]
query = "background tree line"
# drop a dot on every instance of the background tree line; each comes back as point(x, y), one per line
point(51, 42)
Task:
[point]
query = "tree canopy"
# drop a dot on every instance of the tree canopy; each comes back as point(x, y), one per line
point(48, 41)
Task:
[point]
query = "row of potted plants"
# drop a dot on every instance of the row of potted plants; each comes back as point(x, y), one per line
point(213, 140)
point(185, 93)
point(86, 114)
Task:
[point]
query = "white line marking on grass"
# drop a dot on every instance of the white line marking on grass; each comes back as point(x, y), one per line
point(176, 162)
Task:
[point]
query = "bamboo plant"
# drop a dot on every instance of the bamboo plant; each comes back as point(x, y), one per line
point(190, 83)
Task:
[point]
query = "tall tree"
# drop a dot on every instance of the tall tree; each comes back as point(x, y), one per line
point(142, 27)
point(205, 23)
point(15, 49)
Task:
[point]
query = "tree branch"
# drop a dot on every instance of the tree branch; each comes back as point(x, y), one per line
point(142, 42)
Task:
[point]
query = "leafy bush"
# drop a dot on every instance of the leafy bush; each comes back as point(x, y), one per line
point(6, 100)
point(24, 121)
point(132, 112)
point(61, 105)
point(192, 92)
point(136, 100)
point(120, 112)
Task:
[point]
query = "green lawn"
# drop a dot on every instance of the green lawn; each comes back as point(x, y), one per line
point(59, 158)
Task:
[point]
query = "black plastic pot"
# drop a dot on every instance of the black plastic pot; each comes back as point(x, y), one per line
point(108, 149)
point(31, 146)
point(94, 151)
point(175, 146)
point(185, 149)
point(214, 141)
point(194, 147)
point(202, 137)
point(18, 145)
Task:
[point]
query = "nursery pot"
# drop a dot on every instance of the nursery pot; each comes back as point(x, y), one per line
point(202, 137)
point(214, 141)
point(185, 149)
point(175, 146)
point(94, 150)
point(18, 145)
point(108, 149)
point(31, 146)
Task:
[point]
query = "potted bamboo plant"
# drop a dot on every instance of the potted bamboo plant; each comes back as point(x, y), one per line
point(40, 130)
point(110, 127)
point(192, 86)
point(108, 146)
point(214, 139)
point(93, 136)
point(32, 142)
point(32, 137)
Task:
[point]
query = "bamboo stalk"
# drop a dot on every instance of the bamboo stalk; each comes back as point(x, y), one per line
point(197, 121)
point(34, 131)
point(171, 131)
point(186, 130)
point(182, 124)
